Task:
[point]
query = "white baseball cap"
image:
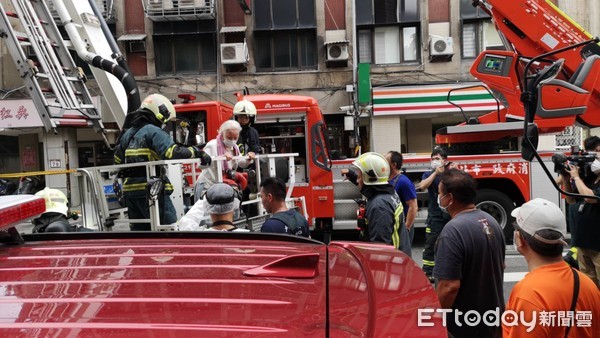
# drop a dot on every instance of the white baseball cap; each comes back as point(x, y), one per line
point(540, 214)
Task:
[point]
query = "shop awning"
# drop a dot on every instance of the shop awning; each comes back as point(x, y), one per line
point(428, 99)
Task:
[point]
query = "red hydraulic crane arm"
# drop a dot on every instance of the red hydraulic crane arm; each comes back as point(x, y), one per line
point(535, 27)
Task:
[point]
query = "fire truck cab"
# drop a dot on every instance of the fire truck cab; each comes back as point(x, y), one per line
point(295, 124)
point(286, 124)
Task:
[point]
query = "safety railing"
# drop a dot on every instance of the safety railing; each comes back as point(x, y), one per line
point(100, 209)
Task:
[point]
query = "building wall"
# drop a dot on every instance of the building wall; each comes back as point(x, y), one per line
point(327, 84)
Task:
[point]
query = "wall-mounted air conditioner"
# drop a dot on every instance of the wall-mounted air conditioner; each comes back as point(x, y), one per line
point(337, 51)
point(441, 46)
point(234, 53)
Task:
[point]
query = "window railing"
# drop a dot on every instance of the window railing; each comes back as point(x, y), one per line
point(163, 10)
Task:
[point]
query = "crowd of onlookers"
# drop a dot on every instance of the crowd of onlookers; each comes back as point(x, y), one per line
point(465, 248)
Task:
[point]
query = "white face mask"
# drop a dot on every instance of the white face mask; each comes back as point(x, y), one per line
point(436, 164)
point(444, 209)
point(596, 167)
point(230, 143)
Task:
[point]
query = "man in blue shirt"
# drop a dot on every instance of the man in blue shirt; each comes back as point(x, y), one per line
point(283, 220)
point(405, 189)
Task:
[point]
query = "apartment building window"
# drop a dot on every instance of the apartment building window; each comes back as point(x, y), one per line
point(285, 37)
point(388, 31)
point(478, 32)
point(185, 47)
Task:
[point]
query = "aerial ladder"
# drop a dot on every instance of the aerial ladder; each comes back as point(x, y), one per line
point(533, 30)
point(55, 83)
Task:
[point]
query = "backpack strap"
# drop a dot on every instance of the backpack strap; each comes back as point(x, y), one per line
point(286, 219)
point(575, 296)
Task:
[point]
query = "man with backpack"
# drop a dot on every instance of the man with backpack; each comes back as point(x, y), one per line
point(283, 220)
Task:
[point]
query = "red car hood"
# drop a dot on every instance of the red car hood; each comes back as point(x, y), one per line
point(199, 285)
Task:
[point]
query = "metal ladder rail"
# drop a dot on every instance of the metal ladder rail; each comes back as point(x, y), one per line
point(25, 68)
point(83, 99)
point(69, 90)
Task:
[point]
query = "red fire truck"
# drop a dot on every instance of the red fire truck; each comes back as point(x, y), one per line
point(286, 124)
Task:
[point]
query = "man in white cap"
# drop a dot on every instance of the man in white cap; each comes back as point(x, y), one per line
point(569, 298)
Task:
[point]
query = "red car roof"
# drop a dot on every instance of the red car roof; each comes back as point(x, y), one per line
point(205, 284)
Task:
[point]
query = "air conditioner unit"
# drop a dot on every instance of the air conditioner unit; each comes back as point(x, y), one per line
point(337, 51)
point(234, 53)
point(440, 46)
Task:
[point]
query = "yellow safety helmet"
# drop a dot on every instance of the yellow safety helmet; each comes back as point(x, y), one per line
point(160, 106)
point(56, 200)
point(374, 167)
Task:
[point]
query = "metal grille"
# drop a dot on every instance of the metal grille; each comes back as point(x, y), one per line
point(345, 210)
point(571, 136)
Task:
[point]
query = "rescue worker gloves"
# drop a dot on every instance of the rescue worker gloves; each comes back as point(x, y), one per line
point(205, 159)
point(374, 167)
point(56, 200)
point(160, 106)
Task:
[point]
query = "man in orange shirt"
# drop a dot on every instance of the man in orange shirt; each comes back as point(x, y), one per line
point(553, 299)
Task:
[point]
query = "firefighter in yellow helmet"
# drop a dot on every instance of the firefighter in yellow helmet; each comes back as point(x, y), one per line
point(384, 211)
point(146, 141)
point(55, 218)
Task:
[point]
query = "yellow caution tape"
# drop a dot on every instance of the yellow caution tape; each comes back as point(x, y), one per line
point(38, 173)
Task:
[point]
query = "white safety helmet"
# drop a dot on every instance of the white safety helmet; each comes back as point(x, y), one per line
point(244, 107)
point(160, 106)
point(374, 167)
point(56, 200)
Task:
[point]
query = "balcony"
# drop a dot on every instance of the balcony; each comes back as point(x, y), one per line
point(179, 10)
point(106, 7)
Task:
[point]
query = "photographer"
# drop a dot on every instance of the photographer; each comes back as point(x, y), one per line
point(585, 232)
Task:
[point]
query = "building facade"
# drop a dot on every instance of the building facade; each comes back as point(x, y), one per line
point(215, 48)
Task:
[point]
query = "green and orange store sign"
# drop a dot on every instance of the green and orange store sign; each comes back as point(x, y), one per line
point(427, 99)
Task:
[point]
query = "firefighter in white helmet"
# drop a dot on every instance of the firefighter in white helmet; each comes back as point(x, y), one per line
point(244, 112)
point(384, 214)
point(146, 141)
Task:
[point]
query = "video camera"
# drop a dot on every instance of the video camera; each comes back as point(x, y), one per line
point(578, 157)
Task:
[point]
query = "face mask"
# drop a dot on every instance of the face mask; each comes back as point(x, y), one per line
point(436, 164)
point(229, 143)
point(444, 209)
point(596, 167)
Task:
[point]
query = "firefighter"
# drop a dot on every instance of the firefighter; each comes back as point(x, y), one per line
point(245, 113)
point(146, 141)
point(55, 218)
point(384, 211)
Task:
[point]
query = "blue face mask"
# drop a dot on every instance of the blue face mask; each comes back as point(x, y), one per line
point(444, 209)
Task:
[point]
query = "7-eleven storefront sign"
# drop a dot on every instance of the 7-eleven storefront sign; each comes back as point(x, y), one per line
point(428, 99)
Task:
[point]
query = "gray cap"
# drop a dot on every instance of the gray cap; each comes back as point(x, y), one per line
point(221, 199)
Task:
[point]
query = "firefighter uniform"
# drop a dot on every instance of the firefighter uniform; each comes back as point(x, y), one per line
point(145, 141)
point(435, 222)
